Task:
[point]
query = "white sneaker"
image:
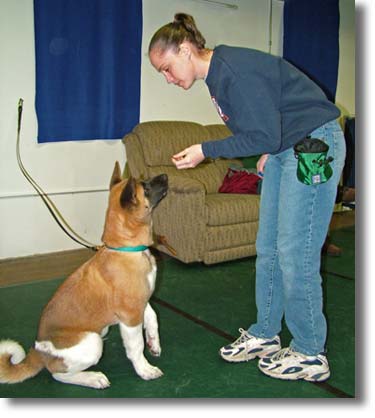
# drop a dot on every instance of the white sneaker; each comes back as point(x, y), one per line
point(288, 364)
point(247, 347)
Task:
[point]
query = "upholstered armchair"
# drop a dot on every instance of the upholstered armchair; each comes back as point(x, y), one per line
point(200, 223)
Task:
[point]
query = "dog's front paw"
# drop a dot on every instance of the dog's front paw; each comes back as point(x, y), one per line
point(150, 372)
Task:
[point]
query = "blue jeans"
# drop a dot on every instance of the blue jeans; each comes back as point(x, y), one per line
point(293, 225)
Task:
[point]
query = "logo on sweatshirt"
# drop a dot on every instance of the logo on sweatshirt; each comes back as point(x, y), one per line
point(219, 111)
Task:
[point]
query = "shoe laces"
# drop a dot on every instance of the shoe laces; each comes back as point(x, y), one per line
point(243, 338)
point(284, 352)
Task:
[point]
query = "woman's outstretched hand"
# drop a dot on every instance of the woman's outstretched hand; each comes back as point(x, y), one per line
point(189, 157)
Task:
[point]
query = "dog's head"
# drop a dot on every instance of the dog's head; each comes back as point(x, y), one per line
point(131, 202)
point(139, 197)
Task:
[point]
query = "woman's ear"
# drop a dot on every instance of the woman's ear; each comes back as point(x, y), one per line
point(184, 50)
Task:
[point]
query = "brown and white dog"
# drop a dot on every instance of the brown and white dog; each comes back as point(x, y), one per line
point(113, 287)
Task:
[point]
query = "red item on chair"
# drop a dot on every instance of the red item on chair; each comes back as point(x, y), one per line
point(240, 181)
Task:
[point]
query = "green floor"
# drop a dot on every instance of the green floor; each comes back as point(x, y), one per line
point(200, 308)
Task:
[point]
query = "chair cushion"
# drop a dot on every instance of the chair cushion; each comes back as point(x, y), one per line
point(160, 140)
point(226, 209)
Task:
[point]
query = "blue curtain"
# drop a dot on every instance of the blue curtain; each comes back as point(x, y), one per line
point(88, 64)
point(311, 40)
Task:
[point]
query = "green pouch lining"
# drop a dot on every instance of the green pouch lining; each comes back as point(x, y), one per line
point(313, 165)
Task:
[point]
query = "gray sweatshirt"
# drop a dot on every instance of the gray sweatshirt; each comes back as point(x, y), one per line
point(267, 103)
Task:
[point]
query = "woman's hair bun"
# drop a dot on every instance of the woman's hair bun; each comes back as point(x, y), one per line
point(173, 34)
point(188, 23)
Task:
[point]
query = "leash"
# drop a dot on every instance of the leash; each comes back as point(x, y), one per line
point(57, 216)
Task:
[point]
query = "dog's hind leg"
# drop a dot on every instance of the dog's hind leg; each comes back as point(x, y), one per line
point(95, 380)
point(151, 330)
point(75, 359)
point(132, 338)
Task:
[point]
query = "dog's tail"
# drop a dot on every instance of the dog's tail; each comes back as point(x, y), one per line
point(15, 365)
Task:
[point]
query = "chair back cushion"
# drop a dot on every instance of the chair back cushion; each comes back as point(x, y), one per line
point(160, 140)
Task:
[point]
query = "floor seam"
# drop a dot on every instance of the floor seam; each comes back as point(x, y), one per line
point(323, 385)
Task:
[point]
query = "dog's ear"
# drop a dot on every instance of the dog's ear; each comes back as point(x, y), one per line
point(116, 175)
point(128, 196)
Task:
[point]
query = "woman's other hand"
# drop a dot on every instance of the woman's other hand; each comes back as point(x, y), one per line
point(261, 164)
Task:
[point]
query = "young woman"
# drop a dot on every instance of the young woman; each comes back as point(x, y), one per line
point(269, 106)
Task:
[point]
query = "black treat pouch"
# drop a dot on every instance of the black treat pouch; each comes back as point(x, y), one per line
point(313, 165)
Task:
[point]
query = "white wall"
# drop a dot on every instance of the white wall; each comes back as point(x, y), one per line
point(76, 174)
point(248, 25)
point(26, 226)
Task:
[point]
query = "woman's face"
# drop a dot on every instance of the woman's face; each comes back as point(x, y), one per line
point(177, 67)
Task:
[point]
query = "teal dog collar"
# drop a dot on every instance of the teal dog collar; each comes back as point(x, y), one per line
point(135, 249)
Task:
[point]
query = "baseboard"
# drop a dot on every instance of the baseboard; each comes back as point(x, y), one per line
point(41, 266)
point(20, 270)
